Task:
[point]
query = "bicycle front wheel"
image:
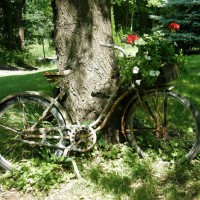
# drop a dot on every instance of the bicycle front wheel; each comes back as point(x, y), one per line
point(164, 123)
point(17, 114)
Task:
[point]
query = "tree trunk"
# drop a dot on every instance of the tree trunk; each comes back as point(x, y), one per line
point(18, 23)
point(80, 28)
point(12, 23)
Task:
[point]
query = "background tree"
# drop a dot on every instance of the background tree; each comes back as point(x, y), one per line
point(38, 21)
point(186, 14)
point(80, 28)
point(12, 29)
point(133, 15)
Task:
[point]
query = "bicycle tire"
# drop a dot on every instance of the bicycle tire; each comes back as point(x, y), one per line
point(165, 123)
point(16, 113)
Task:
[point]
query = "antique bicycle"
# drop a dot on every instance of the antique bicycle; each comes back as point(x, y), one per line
point(31, 121)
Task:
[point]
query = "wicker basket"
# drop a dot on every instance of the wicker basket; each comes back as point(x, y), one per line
point(168, 73)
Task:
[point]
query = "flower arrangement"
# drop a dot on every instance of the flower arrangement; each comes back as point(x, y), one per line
point(147, 55)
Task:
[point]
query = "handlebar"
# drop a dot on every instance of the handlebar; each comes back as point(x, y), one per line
point(115, 47)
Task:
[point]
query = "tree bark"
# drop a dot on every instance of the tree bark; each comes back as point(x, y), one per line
point(80, 28)
point(12, 23)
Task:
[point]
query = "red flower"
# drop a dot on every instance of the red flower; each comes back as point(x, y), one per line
point(173, 26)
point(130, 39)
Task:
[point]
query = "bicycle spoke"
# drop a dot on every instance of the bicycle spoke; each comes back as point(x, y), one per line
point(173, 119)
point(9, 129)
point(17, 115)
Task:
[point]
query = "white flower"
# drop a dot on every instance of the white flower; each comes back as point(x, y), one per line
point(133, 85)
point(157, 73)
point(138, 82)
point(136, 70)
point(148, 57)
point(152, 73)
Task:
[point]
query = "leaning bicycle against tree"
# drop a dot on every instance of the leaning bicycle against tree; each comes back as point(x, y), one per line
point(154, 118)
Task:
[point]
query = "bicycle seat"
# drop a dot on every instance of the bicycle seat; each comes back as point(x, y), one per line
point(54, 76)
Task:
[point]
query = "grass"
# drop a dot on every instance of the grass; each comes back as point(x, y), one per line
point(20, 83)
point(188, 83)
point(113, 172)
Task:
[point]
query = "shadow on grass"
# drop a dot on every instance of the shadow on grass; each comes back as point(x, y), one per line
point(123, 186)
point(182, 181)
point(139, 179)
point(135, 181)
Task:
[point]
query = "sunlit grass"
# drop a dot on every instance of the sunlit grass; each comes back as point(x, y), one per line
point(188, 82)
point(37, 50)
point(20, 83)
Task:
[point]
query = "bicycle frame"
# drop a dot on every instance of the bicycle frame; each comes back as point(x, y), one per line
point(110, 107)
point(73, 127)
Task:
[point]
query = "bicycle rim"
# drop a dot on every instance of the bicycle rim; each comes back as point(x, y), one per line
point(165, 124)
point(19, 113)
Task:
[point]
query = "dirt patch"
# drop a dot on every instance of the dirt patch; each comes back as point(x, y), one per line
point(74, 190)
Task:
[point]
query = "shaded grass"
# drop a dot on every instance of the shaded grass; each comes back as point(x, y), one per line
point(129, 177)
point(125, 177)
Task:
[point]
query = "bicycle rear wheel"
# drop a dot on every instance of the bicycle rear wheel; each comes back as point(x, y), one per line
point(18, 113)
point(164, 123)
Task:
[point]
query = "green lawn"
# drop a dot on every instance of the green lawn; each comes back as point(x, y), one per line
point(20, 83)
point(188, 83)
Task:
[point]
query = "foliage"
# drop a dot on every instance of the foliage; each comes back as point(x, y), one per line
point(18, 59)
point(28, 59)
point(186, 14)
point(119, 2)
point(11, 26)
point(38, 21)
point(134, 15)
point(37, 25)
point(147, 56)
point(35, 176)
point(155, 3)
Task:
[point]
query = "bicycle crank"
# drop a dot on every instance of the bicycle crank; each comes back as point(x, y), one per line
point(83, 137)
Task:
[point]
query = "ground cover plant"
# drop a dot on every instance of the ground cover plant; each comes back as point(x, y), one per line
point(108, 171)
